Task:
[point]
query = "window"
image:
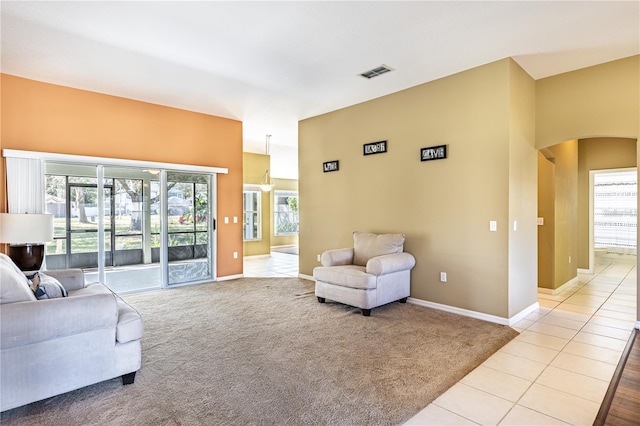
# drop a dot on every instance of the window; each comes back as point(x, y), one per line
point(615, 211)
point(251, 215)
point(285, 216)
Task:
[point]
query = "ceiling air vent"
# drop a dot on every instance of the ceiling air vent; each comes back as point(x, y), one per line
point(376, 71)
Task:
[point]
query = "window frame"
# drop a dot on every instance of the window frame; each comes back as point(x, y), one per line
point(285, 193)
point(246, 190)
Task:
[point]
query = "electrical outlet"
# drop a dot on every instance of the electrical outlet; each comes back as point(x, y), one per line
point(569, 259)
point(318, 258)
point(443, 277)
point(235, 254)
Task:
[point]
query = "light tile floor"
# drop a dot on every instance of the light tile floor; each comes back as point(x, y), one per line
point(558, 369)
point(276, 265)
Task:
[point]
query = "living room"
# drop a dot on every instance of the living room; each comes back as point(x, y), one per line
point(493, 117)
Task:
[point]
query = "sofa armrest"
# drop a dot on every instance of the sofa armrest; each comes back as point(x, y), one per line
point(25, 323)
point(389, 263)
point(337, 257)
point(71, 279)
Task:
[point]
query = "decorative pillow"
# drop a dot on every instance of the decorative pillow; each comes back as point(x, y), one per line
point(46, 287)
point(367, 245)
point(14, 286)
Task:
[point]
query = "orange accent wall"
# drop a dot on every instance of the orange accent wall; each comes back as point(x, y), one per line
point(43, 117)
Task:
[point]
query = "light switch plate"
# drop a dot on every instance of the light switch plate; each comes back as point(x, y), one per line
point(493, 226)
point(226, 219)
point(540, 221)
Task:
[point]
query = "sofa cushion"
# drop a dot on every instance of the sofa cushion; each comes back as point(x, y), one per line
point(367, 245)
point(14, 286)
point(130, 325)
point(351, 276)
point(46, 287)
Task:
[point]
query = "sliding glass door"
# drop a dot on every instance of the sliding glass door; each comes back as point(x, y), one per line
point(189, 228)
point(132, 228)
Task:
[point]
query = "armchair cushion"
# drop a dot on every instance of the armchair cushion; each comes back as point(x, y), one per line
point(351, 276)
point(367, 245)
point(337, 257)
point(390, 263)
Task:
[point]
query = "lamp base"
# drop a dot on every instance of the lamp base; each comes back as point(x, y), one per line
point(27, 257)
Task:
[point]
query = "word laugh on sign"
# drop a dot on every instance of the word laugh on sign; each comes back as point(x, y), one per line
point(375, 148)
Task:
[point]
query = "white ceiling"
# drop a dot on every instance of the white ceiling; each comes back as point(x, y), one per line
point(271, 64)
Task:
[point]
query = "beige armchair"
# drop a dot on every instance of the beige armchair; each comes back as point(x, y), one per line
point(374, 272)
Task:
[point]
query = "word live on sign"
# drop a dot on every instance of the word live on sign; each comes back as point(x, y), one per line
point(331, 166)
point(433, 153)
point(375, 147)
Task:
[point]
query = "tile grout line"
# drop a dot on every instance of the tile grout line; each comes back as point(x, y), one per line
point(535, 381)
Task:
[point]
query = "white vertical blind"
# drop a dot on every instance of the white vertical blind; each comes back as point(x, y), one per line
point(615, 211)
point(25, 185)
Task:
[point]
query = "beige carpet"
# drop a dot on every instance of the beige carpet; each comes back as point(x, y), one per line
point(264, 351)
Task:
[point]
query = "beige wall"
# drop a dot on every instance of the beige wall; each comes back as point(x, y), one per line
point(523, 191)
point(546, 231)
point(443, 207)
point(597, 154)
point(592, 102)
point(566, 212)
point(283, 185)
point(253, 168)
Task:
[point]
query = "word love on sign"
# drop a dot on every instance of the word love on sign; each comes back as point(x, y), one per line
point(331, 166)
point(375, 148)
point(433, 153)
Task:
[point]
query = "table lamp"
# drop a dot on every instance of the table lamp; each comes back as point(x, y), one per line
point(26, 234)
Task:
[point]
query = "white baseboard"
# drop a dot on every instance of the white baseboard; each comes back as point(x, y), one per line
point(459, 311)
point(523, 314)
point(474, 314)
point(230, 277)
point(306, 277)
point(555, 291)
point(585, 271)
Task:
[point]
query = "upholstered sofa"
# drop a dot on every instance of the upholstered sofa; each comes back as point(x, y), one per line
point(376, 271)
point(53, 346)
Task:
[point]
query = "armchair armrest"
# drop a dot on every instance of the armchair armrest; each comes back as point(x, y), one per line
point(25, 323)
point(337, 257)
point(389, 263)
point(71, 279)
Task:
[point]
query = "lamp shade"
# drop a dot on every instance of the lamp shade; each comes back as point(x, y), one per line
point(26, 228)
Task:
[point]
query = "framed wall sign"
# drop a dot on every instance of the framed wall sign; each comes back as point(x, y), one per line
point(331, 166)
point(433, 153)
point(375, 148)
